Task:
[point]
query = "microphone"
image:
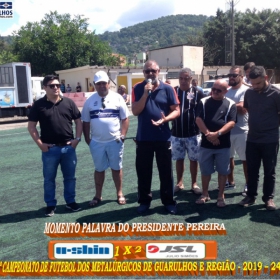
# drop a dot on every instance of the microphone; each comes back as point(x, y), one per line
point(149, 81)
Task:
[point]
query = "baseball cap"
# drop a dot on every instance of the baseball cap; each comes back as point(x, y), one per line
point(100, 76)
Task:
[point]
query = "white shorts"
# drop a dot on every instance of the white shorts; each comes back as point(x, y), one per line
point(238, 145)
point(106, 155)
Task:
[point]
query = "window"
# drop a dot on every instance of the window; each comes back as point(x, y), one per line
point(6, 77)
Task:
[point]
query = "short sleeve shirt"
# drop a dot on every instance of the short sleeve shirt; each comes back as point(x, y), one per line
point(105, 123)
point(237, 95)
point(215, 114)
point(159, 101)
point(264, 110)
point(55, 119)
point(185, 125)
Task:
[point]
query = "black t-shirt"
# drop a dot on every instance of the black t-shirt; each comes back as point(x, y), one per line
point(215, 114)
point(185, 125)
point(55, 119)
point(78, 88)
point(264, 110)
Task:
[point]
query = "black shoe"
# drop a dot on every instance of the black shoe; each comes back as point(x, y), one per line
point(229, 186)
point(270, 205)
point(73, 206)
point(247, 201)
point(171, 209)
point(142, 208)
point(50, 211)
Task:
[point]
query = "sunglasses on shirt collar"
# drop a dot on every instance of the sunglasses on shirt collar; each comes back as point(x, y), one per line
point(103, 102)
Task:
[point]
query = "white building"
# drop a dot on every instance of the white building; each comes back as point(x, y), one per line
point(180, 56)
point(170, 59)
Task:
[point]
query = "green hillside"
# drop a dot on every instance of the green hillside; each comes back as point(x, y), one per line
point(158, 33)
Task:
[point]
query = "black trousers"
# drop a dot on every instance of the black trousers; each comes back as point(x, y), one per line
point(144, 167)
point(267, 154)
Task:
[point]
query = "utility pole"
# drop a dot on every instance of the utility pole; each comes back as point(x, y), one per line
point(232, 34)
point(229, 31)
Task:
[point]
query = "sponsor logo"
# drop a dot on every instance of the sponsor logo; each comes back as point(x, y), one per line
point(6, 10)
point(83, 250)
point(175, 250)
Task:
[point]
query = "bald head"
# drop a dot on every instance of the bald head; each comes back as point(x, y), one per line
point(223, 84)
point(151, 63)
point(219, 89)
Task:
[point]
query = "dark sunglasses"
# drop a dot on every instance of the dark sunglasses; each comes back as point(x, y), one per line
point(233, 75)
point(103, 102)
point(216, 89)
point(54, 85)
point(150, 70)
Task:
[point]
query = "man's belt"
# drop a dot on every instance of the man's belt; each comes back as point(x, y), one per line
point(62, 144)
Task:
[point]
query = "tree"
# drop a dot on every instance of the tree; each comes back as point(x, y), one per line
point(159, 33)
point(256, 38)
point(59, 42)
point(6, 54)
point(214, 34)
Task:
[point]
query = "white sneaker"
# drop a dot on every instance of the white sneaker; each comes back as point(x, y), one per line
point(245, 190)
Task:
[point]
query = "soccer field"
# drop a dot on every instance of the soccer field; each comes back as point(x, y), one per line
point(252, 233)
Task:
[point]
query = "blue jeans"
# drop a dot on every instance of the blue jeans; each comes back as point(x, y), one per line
point(66, 157)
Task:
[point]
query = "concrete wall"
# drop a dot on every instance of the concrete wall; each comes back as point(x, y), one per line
point(75, 75)
point(84, 75)
point(178, 57)
point(193, 58)
point(168, 57)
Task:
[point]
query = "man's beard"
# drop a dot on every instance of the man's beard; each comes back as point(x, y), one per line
point(154, 81)
point(233, 83)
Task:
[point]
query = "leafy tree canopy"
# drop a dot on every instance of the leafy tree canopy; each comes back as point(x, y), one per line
point(257, 37)
point(60, 42)
point(6, 54)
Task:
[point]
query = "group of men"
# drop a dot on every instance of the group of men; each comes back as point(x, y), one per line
point(208, 129)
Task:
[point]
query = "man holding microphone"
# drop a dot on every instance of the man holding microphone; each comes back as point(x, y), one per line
point(155, 103)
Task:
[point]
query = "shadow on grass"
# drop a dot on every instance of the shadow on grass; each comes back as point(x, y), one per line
point(35, 214)
point(188, 211)
point(200, 213)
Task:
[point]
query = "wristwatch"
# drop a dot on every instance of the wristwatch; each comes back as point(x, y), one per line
point(78, 139)
point(122, 137)
point(219, 133)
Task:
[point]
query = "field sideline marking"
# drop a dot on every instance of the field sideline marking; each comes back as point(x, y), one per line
point(12, 134)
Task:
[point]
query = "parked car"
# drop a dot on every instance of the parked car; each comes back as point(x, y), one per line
point(207, 85)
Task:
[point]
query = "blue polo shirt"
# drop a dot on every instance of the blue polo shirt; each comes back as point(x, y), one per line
point(159, 101)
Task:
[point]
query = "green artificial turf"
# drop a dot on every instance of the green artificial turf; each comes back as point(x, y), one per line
point(252, 233)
